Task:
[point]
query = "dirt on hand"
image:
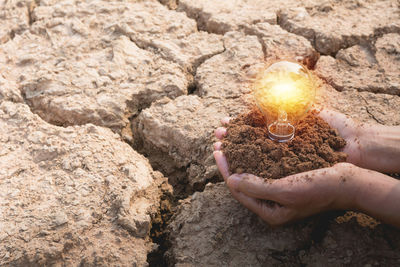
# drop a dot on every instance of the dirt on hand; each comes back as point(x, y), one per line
point(249, 150)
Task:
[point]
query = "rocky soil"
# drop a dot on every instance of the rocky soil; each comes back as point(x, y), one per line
point(108, 106)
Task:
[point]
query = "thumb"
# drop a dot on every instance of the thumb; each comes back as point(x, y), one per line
point(338, 121)
point(273, 214)
point(256, 187)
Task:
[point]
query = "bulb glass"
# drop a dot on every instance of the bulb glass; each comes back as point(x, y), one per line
point(284, 92)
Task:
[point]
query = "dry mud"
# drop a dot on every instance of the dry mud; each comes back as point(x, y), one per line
point(106, 104)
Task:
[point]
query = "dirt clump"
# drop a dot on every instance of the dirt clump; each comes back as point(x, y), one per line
point(249, 150)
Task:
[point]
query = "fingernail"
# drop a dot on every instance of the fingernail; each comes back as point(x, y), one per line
point(217, 146)
point(220, 130)
point(234, 180)
point(218, 154)
point(225, 120)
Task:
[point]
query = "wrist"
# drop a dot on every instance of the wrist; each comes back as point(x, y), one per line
point(378, 195)
point(348, 186)
point(379, 147)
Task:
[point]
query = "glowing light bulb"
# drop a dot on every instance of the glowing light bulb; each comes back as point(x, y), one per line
point(284, 92)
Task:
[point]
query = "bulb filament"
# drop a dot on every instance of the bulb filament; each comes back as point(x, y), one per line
point(282, 123)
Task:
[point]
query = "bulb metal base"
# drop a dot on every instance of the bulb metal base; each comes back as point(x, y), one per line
point(281, 133)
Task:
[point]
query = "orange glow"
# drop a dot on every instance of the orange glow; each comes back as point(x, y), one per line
point(286, 87)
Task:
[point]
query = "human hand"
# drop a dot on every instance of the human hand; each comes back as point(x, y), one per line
point(371, 146)
point(343, 186)
point(296, 196)
point(281, 201)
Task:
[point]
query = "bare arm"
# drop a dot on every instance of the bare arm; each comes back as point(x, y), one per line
point(376, 194)
point(381, 148)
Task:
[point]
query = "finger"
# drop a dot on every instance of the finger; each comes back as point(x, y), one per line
point(338, 121)
point(225, 120)
point(222, 164)
point(272, 214)
point(334, 117)
point(287, 190)
point(257, 187)
point(220, 132)
point(217, 146)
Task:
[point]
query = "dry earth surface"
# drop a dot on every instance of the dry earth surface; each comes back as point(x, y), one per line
point(104, 105)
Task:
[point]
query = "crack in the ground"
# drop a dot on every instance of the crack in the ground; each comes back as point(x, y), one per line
point(161, 219)
point(352, 40)
point(313, 39)
point(370, 52)
point(31, 7)
point(158, 233)
point(204, 58)
point(262, 43)
point(369, 112)
point(170, 4)
point(193, 86)
point(167, 206)
point(27, 102)
point(196, 16)
point(190, 71)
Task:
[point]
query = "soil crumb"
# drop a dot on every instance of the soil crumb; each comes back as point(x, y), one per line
point(249, 150)
point(361, 218)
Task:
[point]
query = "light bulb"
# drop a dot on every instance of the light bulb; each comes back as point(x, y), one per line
point(284, 92)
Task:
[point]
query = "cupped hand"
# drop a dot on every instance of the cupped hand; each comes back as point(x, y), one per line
point(349, 130)
point(343, 186)
point(372, 146)
point(294, 197)
point(288, 199)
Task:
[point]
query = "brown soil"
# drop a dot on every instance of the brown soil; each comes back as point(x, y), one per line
point(249, 150)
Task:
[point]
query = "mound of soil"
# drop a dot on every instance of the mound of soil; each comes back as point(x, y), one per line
point(249, 150)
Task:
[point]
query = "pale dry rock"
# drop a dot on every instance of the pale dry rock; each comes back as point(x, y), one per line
point(350, 243)
point(88, 19)
point(228, 75)
point(280, 44)
point(364, 68)
point(224, 16)
point(211, 228)
point(189, 52)
point(81, 64)
point(332, 26)
point(101, 86)
point(388, 57)
point(14, 17)
point(9, 91)
point(149, 24)
point(72, 196)
point(362, 106)
point(171, 4)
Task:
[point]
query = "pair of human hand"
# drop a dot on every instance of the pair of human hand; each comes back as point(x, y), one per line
point(304, 194)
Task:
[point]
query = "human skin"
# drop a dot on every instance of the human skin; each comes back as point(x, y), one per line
point(344, 186)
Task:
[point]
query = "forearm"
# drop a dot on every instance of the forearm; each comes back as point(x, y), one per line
point(375, 194)
point(380, 148)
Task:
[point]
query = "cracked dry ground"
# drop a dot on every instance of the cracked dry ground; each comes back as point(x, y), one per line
point(107, 112)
